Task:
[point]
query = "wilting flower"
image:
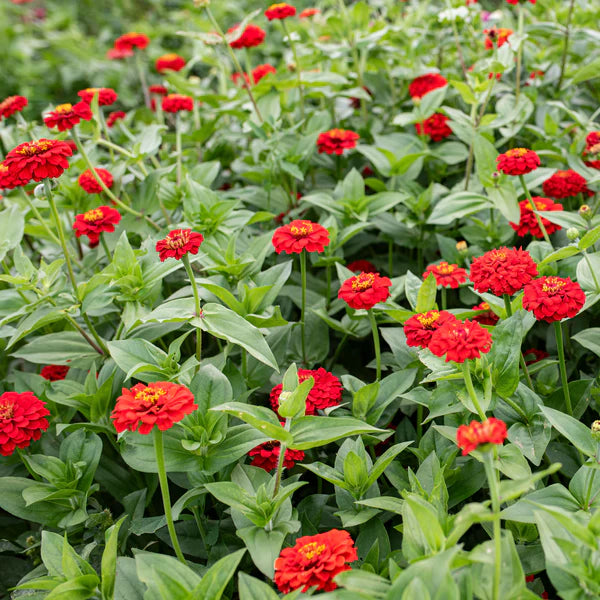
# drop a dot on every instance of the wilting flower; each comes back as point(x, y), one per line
point(251, 36)
point(54, 372)
point(118, 54)
point(22, 419)
point(106, 96)
point(496, 36)
point(66, 116)
point(131, 40)
point(361, 266)
point(93, 222)
point(300, 235)
point(485, 315)
point(364, 291)
point(564, 184)
point(11, 105)
point(446, 275)
point(309, 12)
point(528, 222)
point(460, 340)
point(88, 182)
point(426, 83)
point(436, 127)
point(470, 437)
point(420, 328)
point(169, 62)
point(159, 403)
point(280, 10)
point(536, 354)
point(178, 243)
point(518, 161)
point(553, 298)
point(335, 141)
point(266, 456)
point(314, 560)
point(115, 116)
point(37, 160)
point(173, 103)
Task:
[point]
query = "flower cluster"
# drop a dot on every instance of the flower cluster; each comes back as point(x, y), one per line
point(173, 103)
point(470, 437)
point(106, 96)
point(280, 10)
point(54, 372)
point(436, 127)
point(518, 161)
point(460, 340)
point(485, 315)
point(11, 105)
point(426, 83)
point(66, 116)
point(89, 183)
point(565, 184)
point(178, 243)
point(250, 37)
point(420, 328)
point(496, 37)
point(169, 62)
point(266, 456)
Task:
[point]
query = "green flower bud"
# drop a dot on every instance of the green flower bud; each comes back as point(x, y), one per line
point(572, 233)
point(596, 430)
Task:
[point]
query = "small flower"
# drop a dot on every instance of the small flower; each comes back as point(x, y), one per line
point(106, 96)
point(435, 127)
point(446, 275)
point(585, 211)
point(159, 90)
point(6, 181)
point(115, 116)
point(564, 184)
point(54, 372)
point(314, 560)
point(361, 266)
point(536, 354)
point(451, 15)
point(420, 328)
point(173, 103)
point(88, 182)
point(266, 456)
point(309, 12)
point(364, 291)
point(22, 419)
point(280, 10)
point(178, 243)
point(251, 36)
point(262, 71)
point(496, 36)
point(66, 116)
point(596, 430)
point(118, 54)
point(426, 83)
point(300, 235)
point(159, 403)
point(518, 161)
point(93, 222)
point(131, 40)
point(553, 298)
point(528, 222)
point(335, 141)
point(470, 437)
point(37, 160)
point(169, 62)
point(486, 316)
point(460, 341)
point(11, 105)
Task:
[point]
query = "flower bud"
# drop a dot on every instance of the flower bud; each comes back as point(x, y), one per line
point(596, 430)
point(461, 246)
point(201, 3)
point(585, 211)
point(572, 233)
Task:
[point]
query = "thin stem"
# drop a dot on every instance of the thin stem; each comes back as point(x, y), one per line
point(419, 422)
point(39, 217)
point(492, 477)
point(105, 247)
point(592, 271)
point(509, 313)
point(466, 370)
point(391, 258)
point(471, 157)
point(303, 308)
point(521, 13)
point(459, 51)
point(563, 366)
point(178, 146)
point(535, 211)
point(376, 344)
point(590, 488)
point(328, 279)
point(188, 267)
point(298, 69)
point(142, 75)
point(337, 351)
point(106, 133)
point(281, 459)
point(444, 298)
point(164, 488)
point(563, 62)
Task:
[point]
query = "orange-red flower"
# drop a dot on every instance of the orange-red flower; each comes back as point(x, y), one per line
point(266, 456)
point(262, 71)
point(335, 141)
point(314, 560)
point(251, 36)
point(528, 223)
point(470, 437)
point(178, 243)
point(518, 161)
point(361, 266)
point(88, 182)
point(553, 298)
point(300, 235)
point(22, 419)
point(106, 96)
point(93, 222)
point(66, 116)
point(169, 62)
point(364, 291)
point(446, 275)
point(131, 40)
point(37, 160)
point(419, 328)
point(281, 10)
point(592, 147)
point(459, 341)
point(436, 127)
point(158, 89)
point(173, 103)
point(564, 184)
point(11, 105)
point(159, 403)
point(6, 181)
point(115, 116)
point(515, 2)
point(426, 83)
point(54, 372)
point(496, 37)
point(309, 12)
point(485, 315)
point(118, 54)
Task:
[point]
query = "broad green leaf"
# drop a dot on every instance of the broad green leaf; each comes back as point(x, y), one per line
point(575, 431)
point(427, 294)
point(109, 560)
point(215, 580)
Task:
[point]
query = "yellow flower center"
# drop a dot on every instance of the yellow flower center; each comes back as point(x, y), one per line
point(6, 410)
point(552, 285)
point(312, 549)
point(33, 148)
point(499, 255)
point(363, 282)
point(169, 56)
point(301, 230)
point(517, 152)
point(428, 321)
point(149, 395)
point(484, 306)
point(178, 240)
point(278, 5)
point(445, 269)
point(62, 109)
point(91, 216)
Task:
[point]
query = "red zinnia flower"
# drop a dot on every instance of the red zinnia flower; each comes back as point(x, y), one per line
point(515, 2)
point(564, 184)
point(22, 419)
point(365, 290)
point(113, 117)
point(300, 235)
point(426, 83)
point(280, 11)
point(236, 76)
point(518, 161)
point(336, 141)
point(446, 275)
point(173, 103)
point(158, 89)
point(66, 116)
point(309, 12)
point(592, 146)
point(528, 223)
point(470, 437)
point(88, 182)
point(503, 271)
point(178, 243)
point(420, 328)
point(361, 266)
point(11, 105)
point(250, 37)
point(553, 298)
point(37, 160)
point(93, 222)
point(131, 40)
point(117, 54)
point(537, 355)
point(266, 456)
point(435, 127)
point(326, 391)
point(169, 62)
point(485, 316)
point(262, 71)
point(460, 341)
point(54, 372)
point(106, 96)
point(6, 181)
point(496, 36)
point(314, 560)
point(160, 403)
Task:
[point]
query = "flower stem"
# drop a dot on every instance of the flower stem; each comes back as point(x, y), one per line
point(376, 344)
point(535, 211)
point(281, 460)
point(298, 69)
point(178, 146)
point(509, 313)
point(164, 488)
point(105, 247)
point(563, 61)
point(303, 307)
point(521, 14)
point(39, 217)
point(471, 390)
point(188, 267)
point(142, 75)
point(492, 478)
point(444, 298)
point(562, 364)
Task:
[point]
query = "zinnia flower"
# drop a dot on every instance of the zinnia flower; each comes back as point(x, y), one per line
point(435, 127)
point(22, 419)
point(262, 71)
point(93, 222)
point(336, 141)
point(37, 160)
point(300, 235)
point(518, 161)
point(54, 372)
point(364, 291)
point(419, 328)
point(115, 116)
point(515, 2)
point(117, 54)
point(503, 271)
point(446, 275)
point(309, 12)
point(536, 354)
point(314, 560)
point(564, 184)
point(159, 403)
point(361, 266)
point(159, 90)
point(528, 222)
point(106, 96)
point(6, 181)
point(131, 40)
point(250, 37)
point(496, 36)
point(178, 243)
point(460, 341)
point(426, 83)
point(470, 437)
point(66, 116)
point(486, 316)
point(11, 105)
point(553, 298)
point(266, 456)
point(173, 103)
point(169, 62)
point(88, 182)
point(280, 11)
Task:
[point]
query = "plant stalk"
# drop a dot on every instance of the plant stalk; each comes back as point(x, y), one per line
point(190, 273)
point(466, 370)
point(563, 365)
point(376, 343)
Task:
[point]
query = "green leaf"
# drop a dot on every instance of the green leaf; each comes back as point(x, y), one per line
point(165, 576)
point(264, 547)
point(65, 348)
point(109, 560)
point(590, 339)
point(251, 588)
point(137, 357)
point(590, 238)
point(78, 588)
point(455, 206)
point(427, 294)
point(215, 580)
point(12, 226)
point(576, 432)
point(561, 253)
point(589, 71)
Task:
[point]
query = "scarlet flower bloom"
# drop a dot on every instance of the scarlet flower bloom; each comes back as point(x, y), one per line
point(335, 141)
point(37, 160)
point(309, 12)
point(11, 105)
point(314, 560)
point(118, 54)
point(6, 181)
point(446, 275)
point(106, 96)
point(592, 146)
point(460, 341)
point(251, 36)
point(262, 71)
point(236, 76)
point(280, 10)
point(131, 40)
point(361, 266)
point(496, 36)
point(536, 355)
point(93, 222)
point(22, 419)
point(528, 223)
point(66, 116)
point(536, 74)
point(419, 328)
point(592, 139)
point(173, 103)
point(54, 372)
point(564, 184)
point(518, 161)
point(502, 271)
point(266, 456)
point(426, 83)
point(21, 1)
point(159, 403)
point(88, 182)
point(365, 290)
point(160, 90)
point(470, 437)
point(485, 316)
point(326, 391)
point(515, 2)
point(300, 235)
point(178, 243)
point(169, 62)
point(435, 127)
point(115, 116)
point(553, 298)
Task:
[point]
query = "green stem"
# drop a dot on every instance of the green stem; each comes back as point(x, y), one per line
point(535, 211)
point(106, 133)
point(298, 69)
point(39, 217)
point(391, 258)
point(466, 370)
point(492, 478)
point(419, 422)
point(328, 279)
point(509, 313)
point(563, 366)
point(142, 75)
point(338, 351)
point(280, 461)
point(178, 146)
point(563, 62)
point(471, 157)
point(589, 264)
point(444, 298)
point(105, 247)
point(188, 267)
point(303, 307)
point(459, 51)
point(588, 495)
point(376, 344)
point(164, 488)
point(521, 13)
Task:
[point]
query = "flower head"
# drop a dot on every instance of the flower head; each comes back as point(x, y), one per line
point(564, 184)
point(335, 141)
point(281, 10)
point(420, 328)
point(37, 160)
point(528, 223)
point(309, 12)
point(592, 147)
point(11, 105)
point(534, 355)
point(460, 341)
point(300, 235)
point(6, 181)
point(553, 298)
point(131, 40)
point(159, 90)
point(262, 71)
point(88, 182)
point(365, 290)
point(485, 315)
point(66, 116)
point(93, 222)
point(436, 127)
point(251, 36)
point(22, 419)
point(178, 243)
point(446, 275)
point(118, 54)
point(518, 161)
point(470, 437)
point(115, 116)
point(496, 37)
point(361, 266)
point(173, 103)
point(54, 372)
point(106, 96)
point(515, 2)
point(426, 83)
point(266, 456)
point(169, 62)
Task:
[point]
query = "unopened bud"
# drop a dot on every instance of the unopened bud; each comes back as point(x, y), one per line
point(495, 175)
point(201, 3)
point(284, 396)
point(572, 233)
point(596, 430)
point(585, 211)
point(461, 246)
